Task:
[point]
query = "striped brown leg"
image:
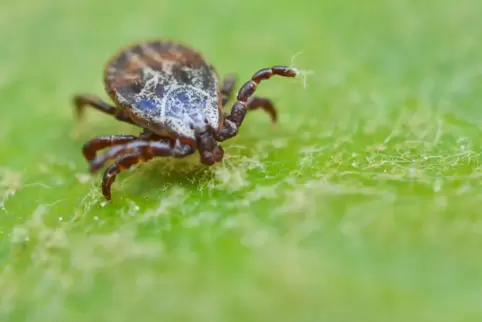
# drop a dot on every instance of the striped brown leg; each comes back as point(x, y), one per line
point(91, 147)
point(234, 120)
point(83, 100)
point(254, 103)
point(123, 163)
point(133, 153)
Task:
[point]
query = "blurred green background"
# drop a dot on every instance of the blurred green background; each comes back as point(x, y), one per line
point(362, 204)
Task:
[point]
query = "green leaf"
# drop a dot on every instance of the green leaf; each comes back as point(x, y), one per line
point(361, 204)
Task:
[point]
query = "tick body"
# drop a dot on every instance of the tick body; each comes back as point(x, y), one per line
point(176, 97)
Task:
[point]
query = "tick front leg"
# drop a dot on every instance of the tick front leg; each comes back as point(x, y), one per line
point(227, 88)
point(81, 101)
point(136, 152)
point(241, 106)
point(230, 129)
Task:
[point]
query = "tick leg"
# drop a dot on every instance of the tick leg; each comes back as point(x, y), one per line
point(81, 101)
point(234, 120)
point(145, 149)
point(91, 147)
point(265, 104)
point(136, 152)
point(227, 88)
point(113, 170)
point(230, 129)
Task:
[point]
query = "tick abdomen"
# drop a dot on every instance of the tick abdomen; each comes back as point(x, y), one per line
point(165, 85)
point(183, 110)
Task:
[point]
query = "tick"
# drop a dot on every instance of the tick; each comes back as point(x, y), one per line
point(176, 97)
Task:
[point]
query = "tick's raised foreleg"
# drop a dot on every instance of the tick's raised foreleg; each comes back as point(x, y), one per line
point(247, 90)
point(254, 103)
point(234, 120)
point(83, 100)
point(133, 153)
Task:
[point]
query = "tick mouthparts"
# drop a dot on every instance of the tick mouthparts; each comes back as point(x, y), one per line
point(213, 156)
point(209, 149)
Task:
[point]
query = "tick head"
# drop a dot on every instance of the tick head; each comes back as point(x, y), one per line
point(209, 149)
